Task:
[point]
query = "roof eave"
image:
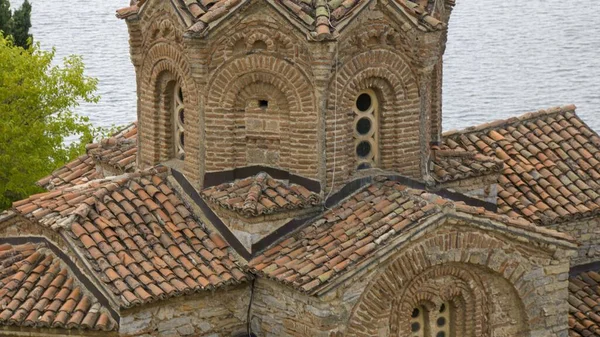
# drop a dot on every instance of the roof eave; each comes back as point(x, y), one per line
point(523, 235)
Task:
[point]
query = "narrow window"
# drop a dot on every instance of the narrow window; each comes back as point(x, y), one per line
point(417, 322)
point(179, 123)
point(366, 129)
point(441, 325)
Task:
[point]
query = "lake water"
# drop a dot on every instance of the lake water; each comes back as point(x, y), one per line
point(503, 58)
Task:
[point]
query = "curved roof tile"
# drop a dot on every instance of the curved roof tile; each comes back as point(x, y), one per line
point(36, 290)
point(552, 164)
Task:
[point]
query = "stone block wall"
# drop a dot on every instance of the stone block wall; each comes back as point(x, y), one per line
point(587, 233)
point(221, 313)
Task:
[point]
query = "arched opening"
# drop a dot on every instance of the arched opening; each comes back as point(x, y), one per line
point(171, 113)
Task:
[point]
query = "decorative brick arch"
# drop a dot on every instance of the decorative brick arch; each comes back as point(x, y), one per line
point(277, 38)
point(452, 283)
point(163, 64)
point(413, 278)
point(289, 85)
point(391, 77)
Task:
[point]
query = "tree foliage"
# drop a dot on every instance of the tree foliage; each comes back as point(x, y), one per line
point(16, 24)
point(36, 102)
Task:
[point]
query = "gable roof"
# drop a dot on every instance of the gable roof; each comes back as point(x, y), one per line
point(118, 152)
point(357, 228)
point(321, 17)
point(261, 195)
point(137, 235)
point(36, 290)
point(584, 304)
point(552, 164)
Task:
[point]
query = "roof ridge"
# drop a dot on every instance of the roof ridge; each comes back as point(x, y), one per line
point(512, 120)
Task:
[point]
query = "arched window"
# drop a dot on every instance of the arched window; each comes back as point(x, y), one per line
point(178, 115)
point(432, 322)
point(366, 129)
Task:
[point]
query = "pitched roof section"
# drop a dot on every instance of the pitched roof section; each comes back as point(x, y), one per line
point(320, 16)
point(458, 164)
point(138, 236)
point(584, 304)
point(118, 152)
point(552, 164)
point(261, 195)
point(36, 290)
point(353, 231)
point(78, 171)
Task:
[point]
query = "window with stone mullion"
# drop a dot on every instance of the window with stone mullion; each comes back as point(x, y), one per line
point(366, 133)
point(178, 123)
point(434, 322)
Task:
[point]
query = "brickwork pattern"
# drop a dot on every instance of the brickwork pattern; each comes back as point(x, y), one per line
point(295, 131)
point(386, 73)
point(428, 265)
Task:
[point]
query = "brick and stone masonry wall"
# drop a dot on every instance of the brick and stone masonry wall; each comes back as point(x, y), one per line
point(514, 290)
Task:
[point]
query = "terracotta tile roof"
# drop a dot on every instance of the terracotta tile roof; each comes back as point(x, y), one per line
point(353, 231)
point(139, 237)
point(584, 305)
point(36, 290)
point(457, 164)
point(79, 171)
point(321, 16)
point(552, 164)
point(118, 151)
point(261, 195)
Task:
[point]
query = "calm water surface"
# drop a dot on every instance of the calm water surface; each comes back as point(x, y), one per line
point(503, 57)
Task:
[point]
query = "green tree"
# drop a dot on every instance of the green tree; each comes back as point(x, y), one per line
point(21, 24)
point(36, 116)
point(5, 16)
point(16, 24)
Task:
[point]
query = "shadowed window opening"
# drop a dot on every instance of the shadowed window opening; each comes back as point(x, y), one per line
point(365, 129)
point(259, 45)
point(263, 104)
point(364, 102)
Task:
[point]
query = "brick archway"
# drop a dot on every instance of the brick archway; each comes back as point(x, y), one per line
point(290, 87)
point(165, 62)
point(388, 74)
point(453, 283)
point(460, 259)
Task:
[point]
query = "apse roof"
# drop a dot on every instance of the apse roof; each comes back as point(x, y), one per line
point(321, 17)
point(261, 195)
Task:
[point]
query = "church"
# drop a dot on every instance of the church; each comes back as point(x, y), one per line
point(287, 175)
